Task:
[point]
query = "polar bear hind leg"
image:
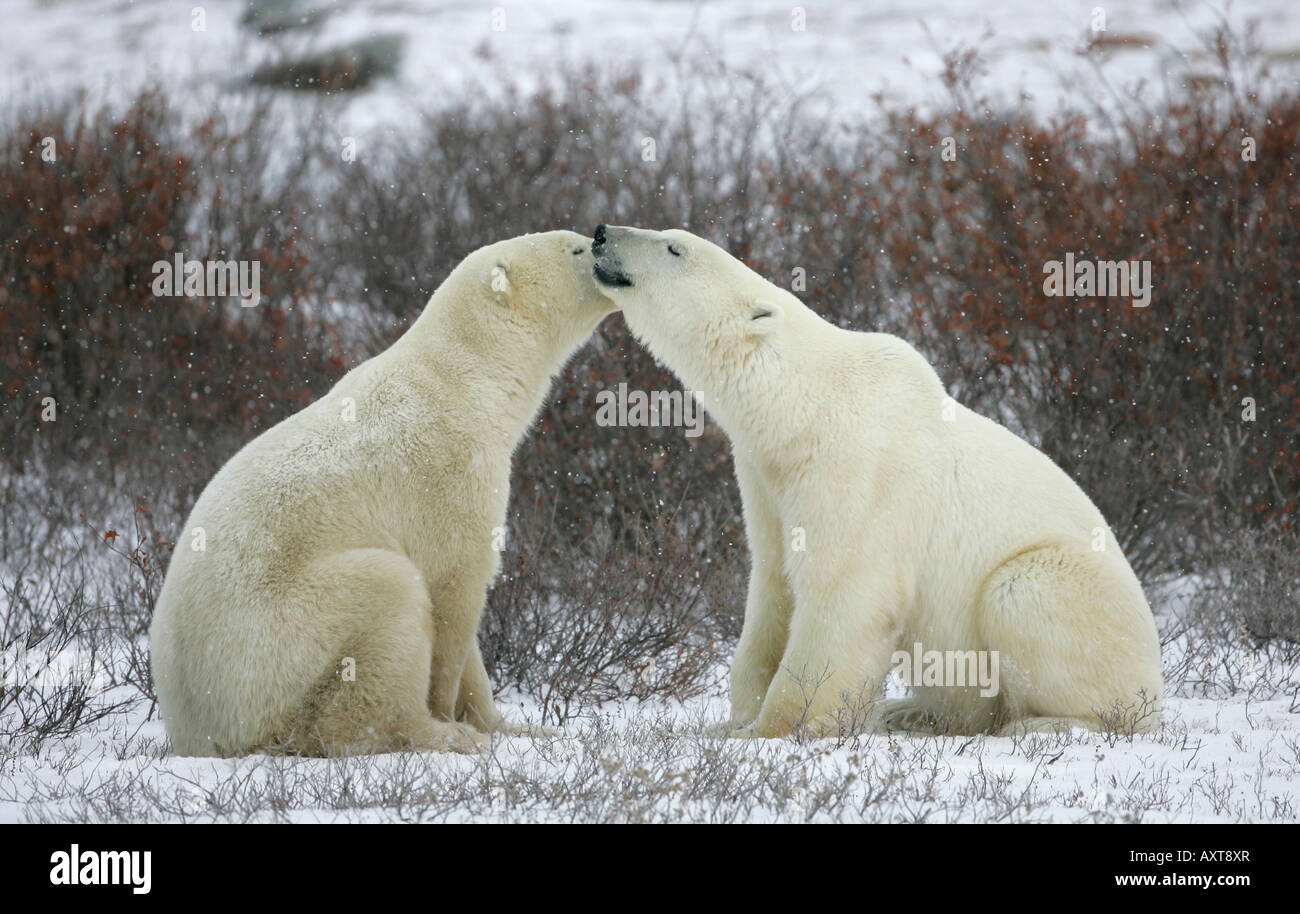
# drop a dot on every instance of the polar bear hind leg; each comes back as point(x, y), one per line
point(1077, 644)
point(374, 605)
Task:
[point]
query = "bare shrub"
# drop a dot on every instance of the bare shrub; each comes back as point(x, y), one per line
point(1235, 633)
point(608, 622)
point(1123, 720)
point(55, 677)
point(131, 372)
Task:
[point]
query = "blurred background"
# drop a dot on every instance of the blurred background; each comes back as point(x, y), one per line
point(358, 150)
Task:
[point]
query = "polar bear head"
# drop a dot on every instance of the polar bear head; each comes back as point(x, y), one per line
point(698, 309)
point(532, 295)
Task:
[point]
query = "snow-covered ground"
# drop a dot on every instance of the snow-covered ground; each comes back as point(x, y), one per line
point(846, 52)
point(1213, 762)
point(1231, 754)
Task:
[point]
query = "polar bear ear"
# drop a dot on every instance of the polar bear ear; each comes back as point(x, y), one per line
point(499, 279)
point(764, 316)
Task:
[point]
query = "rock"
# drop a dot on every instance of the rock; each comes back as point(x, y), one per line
point(270, 17)
point(350, 66)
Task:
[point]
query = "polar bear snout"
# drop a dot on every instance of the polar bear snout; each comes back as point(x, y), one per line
point(610, 274)
point(608, 270)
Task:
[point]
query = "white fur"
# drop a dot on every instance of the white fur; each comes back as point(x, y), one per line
point(955, 534)
point(372, 539)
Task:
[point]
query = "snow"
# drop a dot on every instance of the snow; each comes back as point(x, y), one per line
point(1212, 762)
point(848, 52)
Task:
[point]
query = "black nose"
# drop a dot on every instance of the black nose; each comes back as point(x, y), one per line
point(598, 239)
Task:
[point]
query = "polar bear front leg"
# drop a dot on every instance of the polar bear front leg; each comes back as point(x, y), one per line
point(841, 639)
point(457, 607)
point(475, 706)
point(768, 605)
point(762, 643)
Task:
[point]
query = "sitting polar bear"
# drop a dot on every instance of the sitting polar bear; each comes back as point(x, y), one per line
point(883, 516)
point(334, 604)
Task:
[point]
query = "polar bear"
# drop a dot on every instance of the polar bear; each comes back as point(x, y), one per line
point(882, 516)
point(325, 594)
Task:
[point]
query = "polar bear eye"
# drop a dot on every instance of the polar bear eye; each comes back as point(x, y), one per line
point(675, 249)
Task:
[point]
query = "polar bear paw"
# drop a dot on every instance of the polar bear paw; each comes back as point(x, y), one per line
point(456, 737)
point(536, 731)
point(731, 729)
point(728, 729)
